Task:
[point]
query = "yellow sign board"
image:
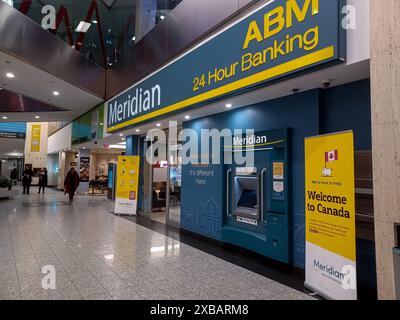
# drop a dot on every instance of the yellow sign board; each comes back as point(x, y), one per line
point(277, 170)
point(127, 184)
point(330, 215)
point(35, 137)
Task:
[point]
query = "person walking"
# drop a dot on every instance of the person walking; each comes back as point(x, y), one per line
point(42, 179)
point(71, 183)
point(27, 179)
point(14, 174)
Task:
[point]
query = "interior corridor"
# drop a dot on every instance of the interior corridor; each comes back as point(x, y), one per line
point(97, 255)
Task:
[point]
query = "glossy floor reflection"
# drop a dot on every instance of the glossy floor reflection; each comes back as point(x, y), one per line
point(97, 255)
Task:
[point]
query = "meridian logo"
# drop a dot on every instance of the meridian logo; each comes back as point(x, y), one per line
point(138, 101)
point(251, 140)
point(346, 276)
point(330, 270)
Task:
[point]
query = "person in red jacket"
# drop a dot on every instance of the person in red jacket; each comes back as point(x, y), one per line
point(71, 183)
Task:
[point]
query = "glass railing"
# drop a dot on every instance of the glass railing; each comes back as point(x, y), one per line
point(102, 30)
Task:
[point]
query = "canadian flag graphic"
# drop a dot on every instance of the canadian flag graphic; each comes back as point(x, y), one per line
point(331, 156)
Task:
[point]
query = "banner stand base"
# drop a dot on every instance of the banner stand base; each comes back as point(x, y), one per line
point(315, 291)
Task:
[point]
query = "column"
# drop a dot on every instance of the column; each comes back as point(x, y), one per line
point(385, 112)
point(132, 145)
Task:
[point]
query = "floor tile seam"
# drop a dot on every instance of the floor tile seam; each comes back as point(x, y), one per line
point(15, 263)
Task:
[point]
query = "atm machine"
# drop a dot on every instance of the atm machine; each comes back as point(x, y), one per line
point(257, 209)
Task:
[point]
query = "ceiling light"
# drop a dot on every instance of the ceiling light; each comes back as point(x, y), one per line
point(123, 139)
point(187, 117)
point(56, 93)
point(137, 130)
point(4, 118)
point(83, 27)
point(229, 105)
point(10, 75)
point(158, 124)
point(37, 117)
point(162, 17)
point(117, 146)
point(94, 21)
point(134, 38)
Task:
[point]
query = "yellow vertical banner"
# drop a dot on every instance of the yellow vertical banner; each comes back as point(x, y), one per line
point(35, 137)
point(127, 184)
point(330, 216)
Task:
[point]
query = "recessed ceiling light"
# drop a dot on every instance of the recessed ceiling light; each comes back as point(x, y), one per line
point(56, 93)
point(37, 117)
point(229, 105)
point(121, 135)
point(137, 130)
point(94, 21)
point(187, 117)
point(83, 27)
point(162, 17)
point(158, 124)
point(133, 38)
point(10, 75)
point(4, 118)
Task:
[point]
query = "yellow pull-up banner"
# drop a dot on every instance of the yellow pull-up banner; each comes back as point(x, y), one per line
point(330, 216)
point(127, 184)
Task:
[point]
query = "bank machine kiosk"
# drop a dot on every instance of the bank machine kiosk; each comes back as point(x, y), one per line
point(257, 208)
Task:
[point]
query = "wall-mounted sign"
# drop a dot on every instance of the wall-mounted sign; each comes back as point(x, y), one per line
point(277, 170)
point(127, 185)
point(260, 141)
point(12, 135)
point(35, 137)
point(330, 216)
point(280, 38)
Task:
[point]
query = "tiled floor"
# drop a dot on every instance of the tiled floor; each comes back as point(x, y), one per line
point(97, 255)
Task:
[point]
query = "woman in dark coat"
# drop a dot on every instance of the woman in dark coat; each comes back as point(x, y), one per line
point(42, 179)
point(71, 183)
point(27, 179)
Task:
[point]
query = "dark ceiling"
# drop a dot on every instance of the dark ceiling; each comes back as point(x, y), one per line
point(12, 102)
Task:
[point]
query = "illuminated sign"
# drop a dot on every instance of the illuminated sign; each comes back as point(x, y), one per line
point(280, 38)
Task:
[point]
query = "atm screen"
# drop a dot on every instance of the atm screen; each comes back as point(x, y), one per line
point(248, 199)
